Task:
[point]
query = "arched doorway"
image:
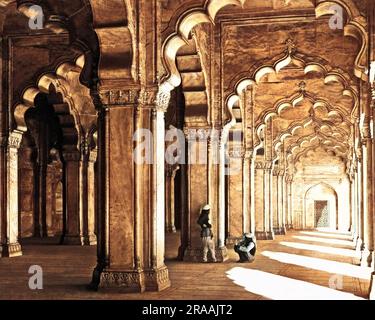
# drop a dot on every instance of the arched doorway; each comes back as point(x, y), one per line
point(321, 207)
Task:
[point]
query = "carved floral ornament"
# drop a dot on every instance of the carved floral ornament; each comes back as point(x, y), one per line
point(149, 97)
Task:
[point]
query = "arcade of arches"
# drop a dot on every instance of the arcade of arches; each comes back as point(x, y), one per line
point(288, 84)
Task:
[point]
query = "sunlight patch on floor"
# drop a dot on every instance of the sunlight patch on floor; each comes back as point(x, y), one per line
point(326, 240)
point(328, 235)
point(277, 287)
point(333, 267)
point(322, 249)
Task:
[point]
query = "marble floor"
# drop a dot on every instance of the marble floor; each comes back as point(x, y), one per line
point(301, 265)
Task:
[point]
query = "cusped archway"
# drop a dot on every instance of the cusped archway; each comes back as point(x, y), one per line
point(321, 207)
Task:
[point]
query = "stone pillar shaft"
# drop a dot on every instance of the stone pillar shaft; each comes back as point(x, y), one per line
point(131, 223)
point(10, 244)
point(368, 239)
point(74, 170)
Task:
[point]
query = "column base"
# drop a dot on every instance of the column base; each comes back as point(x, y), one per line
point(366, 257)
point(170, 229)
point(90, 240)
point(157, 280)
point(372, 287)
point(131, 281)
point(73, 240)
point(289, 226)
point(281, 231)
point(196, 254)
point(264, 235)
point(11, 250)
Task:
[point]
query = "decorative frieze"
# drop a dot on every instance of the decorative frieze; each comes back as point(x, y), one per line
point(119, 97)
point(132, 281)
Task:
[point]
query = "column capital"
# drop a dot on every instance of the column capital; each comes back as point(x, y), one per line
point(15, 139)
point(163, 98)
point(93, 155)
point(264, 165)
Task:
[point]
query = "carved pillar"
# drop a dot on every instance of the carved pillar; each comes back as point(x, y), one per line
point(198, 195)
point(264, 199)
point(10, 244)
point(235, 198)
point(353, 204)
point(285, 202)
point(74, 169)
point(268, 203)
point(156, 273)
point(246, 205)
point(131, 222)
point(170, 199)
point(280, 203)
point(89, 213)
point(289, 181)
point(252, 195)
point(367, 246)
point(359, 206)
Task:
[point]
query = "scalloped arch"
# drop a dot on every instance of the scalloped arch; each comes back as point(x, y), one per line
point(66, 82)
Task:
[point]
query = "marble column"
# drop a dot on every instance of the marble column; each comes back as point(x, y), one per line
point(246, 201)
point(198, 183)
point(280, 203)
point(359, 206)
point(235, 200)
point(353, 205)
point(368, 238)
point(268, 203)
point(89, 213)
point(290, 202)
point(10, 244)
point(252, 195)
point(74, 169)
point(170, 199)
point(264, 169)
point(131, 222)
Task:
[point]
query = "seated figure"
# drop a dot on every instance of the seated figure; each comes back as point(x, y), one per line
point(246, 248)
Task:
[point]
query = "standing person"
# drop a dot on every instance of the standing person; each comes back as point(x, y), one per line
point(206, 233)
point(246, 248)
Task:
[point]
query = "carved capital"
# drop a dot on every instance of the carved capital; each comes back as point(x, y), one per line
point(15, 139)
point(162, 100)
point(264, 165)
point(93, 155)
